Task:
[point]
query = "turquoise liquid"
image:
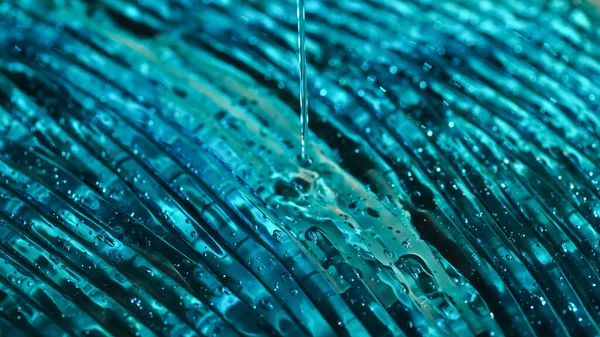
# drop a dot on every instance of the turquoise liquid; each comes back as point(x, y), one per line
point(150, 185)
point(303, 83)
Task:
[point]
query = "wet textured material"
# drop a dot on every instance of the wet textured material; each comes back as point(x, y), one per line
point(150, 184)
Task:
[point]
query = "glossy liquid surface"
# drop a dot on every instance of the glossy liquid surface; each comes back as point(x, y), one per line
point(150, 185)
point(303, 82)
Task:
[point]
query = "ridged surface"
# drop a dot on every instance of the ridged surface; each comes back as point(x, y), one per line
point(150, 183)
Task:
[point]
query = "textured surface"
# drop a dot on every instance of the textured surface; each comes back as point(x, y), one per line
point(150, 183)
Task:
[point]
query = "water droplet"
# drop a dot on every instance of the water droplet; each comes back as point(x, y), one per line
point(311, 235)
point(278, 235)
point(372, 212)
point(147, 271)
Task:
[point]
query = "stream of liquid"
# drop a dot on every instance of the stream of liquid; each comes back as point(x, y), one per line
point(303, 83)
point(150, 185)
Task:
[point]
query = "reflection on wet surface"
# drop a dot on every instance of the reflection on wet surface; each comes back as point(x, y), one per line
point(150, 183)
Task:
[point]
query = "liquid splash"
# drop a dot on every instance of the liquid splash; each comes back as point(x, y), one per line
point(148, 188)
